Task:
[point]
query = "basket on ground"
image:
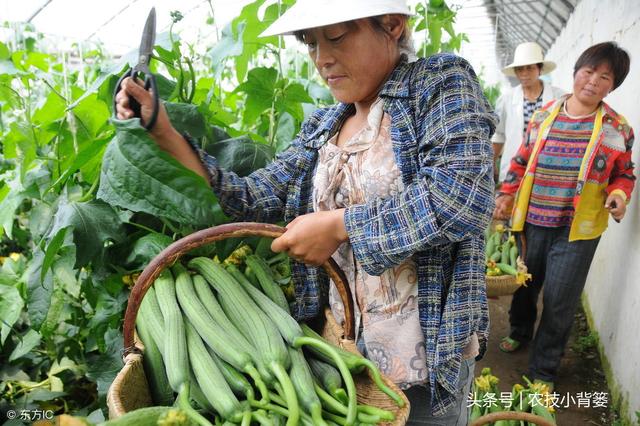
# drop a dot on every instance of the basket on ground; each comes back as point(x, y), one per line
point(504, 285)
point(130, 389)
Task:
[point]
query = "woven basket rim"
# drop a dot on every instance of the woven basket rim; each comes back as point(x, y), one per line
point(133, 347)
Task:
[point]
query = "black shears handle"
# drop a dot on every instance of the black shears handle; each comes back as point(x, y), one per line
point(149, 83)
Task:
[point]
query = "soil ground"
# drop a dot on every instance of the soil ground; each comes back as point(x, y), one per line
point(580, 371)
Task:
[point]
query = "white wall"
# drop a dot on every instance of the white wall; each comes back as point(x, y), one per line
point(613, 286)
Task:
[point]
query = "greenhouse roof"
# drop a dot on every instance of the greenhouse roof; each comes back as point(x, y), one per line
point(115, 23)
point(518, 21)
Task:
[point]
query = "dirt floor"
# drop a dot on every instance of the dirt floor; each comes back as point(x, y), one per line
point(580, 372)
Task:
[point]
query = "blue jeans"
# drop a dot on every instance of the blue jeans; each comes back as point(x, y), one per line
point(458, 415)
point(559, 268)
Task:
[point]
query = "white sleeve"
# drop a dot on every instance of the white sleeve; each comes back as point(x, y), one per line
point(499, 134)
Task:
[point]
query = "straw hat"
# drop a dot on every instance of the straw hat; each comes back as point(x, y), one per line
point(318, 13)
point(528, 54)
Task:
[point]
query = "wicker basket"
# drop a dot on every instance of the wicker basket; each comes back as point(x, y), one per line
point(504, 285)
point(512, 415)
point(130, 389)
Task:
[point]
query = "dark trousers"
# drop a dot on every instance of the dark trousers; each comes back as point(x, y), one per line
point(560, 269)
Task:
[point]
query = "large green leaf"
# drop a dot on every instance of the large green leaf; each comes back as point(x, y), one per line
point(109, 310)
point(11, 196)
point(52, 109)
point(89, 152)
point(241, 155)
point(293, 96)
point(138, 176)
point(39, 291)
point(52, 250)
point(104, 367)
point(146, 248)
point(230, 45)
point(260, 89)
point(249, 26)
point(10, 307)
point(93, 223)
point(187, 118)
point(4, 52)
point(285, 132)
point(27, 342)
point(93, 114)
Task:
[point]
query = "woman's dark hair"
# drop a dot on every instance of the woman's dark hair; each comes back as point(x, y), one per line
point(606, 53)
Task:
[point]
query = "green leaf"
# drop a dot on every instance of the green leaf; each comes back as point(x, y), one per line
point(93, 223)
point(89, 152)
point(260, 89)
point(187, 118)
point(104, 78)
point(286, 131)
point(92, 113)
point(30, 340)
point(229, 45)
point(104, 367)
point(37, 60)
point(5, 53)
point(165, 86)
point(294, 94)
point(51, 110)
point(138, 176)
point(8, 206)
point(241, 155)
point(109, 310)
point(39, 291)
point(10, 307)
point(51, 251)
point(146, 248)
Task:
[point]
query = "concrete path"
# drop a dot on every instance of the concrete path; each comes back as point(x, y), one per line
point(580, 374)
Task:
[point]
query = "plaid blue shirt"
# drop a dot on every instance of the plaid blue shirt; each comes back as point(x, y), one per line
point(441, 126)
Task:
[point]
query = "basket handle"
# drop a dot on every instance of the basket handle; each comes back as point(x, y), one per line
point(511, 415)
point(174, 251)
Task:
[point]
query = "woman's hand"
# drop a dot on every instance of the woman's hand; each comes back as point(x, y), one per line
point(135, 89)
point(616, 206)
point(312, 238)
point(504, 206)
point(163, 133)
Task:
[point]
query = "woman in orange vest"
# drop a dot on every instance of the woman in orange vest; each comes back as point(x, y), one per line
point(571, 172)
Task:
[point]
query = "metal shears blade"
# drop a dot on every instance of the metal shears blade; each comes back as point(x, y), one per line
point(144, 57)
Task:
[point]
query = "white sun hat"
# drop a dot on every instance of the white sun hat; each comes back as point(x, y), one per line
point(528, 54)
point(318, 13)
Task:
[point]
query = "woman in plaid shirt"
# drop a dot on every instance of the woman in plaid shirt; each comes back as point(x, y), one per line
point(395, 181)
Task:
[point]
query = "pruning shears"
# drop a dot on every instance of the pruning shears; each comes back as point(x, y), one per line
point(144, 57)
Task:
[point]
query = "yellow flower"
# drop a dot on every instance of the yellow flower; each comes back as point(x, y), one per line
point(522, 278)
point(482, 383)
